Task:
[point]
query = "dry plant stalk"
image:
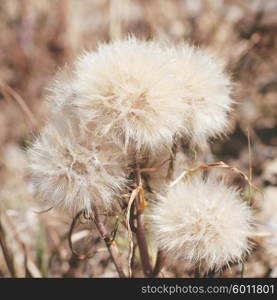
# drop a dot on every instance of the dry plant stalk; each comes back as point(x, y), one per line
point(6, 252)
point(160, 261)
point(12, 94)
point(222, 164)
point(111, 245)
point(140, 233)
point(130, 235)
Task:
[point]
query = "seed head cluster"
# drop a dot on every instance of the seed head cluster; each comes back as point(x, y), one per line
point(132, 101)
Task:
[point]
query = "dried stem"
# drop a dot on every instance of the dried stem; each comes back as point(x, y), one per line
point(9, 92)
point(20, 243)
point(70, 242)
point(159, 263)
point(130, 235)
point(140, 233)
point(7, 257)
point(109, 242)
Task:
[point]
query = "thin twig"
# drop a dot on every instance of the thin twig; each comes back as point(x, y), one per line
point(8, 91)
point(160, 260)
point(130, 235)
point(44, 211)
point(8, 258)
point(133, 261)
point(19, 241)
point(109, 243)
point(70, 242)
point(220, 164)
point(154, 168)
point(173, 151)
point(178, 178)
point(140, 234)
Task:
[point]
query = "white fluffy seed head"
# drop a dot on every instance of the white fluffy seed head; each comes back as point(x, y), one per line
point(74, 173)
point(206, 90)
point(201, 222)
point(128, 90)
point(143, 93)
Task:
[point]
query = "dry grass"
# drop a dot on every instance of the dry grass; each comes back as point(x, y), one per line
point(39, 36)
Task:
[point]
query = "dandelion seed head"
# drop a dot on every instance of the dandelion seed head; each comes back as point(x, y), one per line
point(202, 222)
point(128, 90)
point(144, 93)
point(74, 174)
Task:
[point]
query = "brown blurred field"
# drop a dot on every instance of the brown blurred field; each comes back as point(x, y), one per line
point(38, 37)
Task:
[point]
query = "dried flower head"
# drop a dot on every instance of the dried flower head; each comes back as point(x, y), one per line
point(202, 222)
point(207, 91)
point(128, 90)
point(74, 173)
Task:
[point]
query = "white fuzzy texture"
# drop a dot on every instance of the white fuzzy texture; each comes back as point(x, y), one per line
point(72, 172)
point(201, 222)
point(206, 90)
point(128, 90)
point(144, 93)
point(128, 95)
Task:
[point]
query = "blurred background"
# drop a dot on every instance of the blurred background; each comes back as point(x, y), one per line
point(38, 37)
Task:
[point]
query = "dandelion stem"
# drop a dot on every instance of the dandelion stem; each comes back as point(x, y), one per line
point(140, 233)
point(159, 263)
point(113, 250)
point(142, 244)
